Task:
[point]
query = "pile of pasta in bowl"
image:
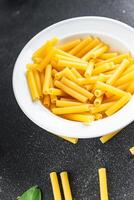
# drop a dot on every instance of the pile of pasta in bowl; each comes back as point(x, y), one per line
point(81, 80)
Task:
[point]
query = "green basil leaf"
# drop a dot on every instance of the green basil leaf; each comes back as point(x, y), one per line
point(33, 193)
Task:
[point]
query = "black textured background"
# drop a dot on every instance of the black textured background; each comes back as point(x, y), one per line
point(27, 153)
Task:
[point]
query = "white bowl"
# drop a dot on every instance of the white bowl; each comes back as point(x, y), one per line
point(119, 35)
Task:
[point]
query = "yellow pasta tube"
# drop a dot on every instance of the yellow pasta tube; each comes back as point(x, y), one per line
point(76, 73)
point(103, 68)
point(126, 78)
point(46, 60)
point(98, 93)
point(85, 81)
point(71, 92)
point(63, 53)
point(101, 108)
point(117, 59)
point(55, 186)
point(89, 54)
point(69, 74)
point(100, 51)
point(56, 92)
point(71, 109)
point(66, 186)
point(47, 79)
point(37, 60)
point(118, 72)
point(118, 105)
point(89, 69)
point(80, 46)
point(130, 87)
point(32, 85)
point(72, 140)
point(77, 65)
point(42, 75)
point(88, 87)
point(123, 86)
point(80, 117)
point(132, 150)
point(91, 45)
point(98, 116)
point(63, 57)
point(110, 89)
point(47, 101)
point(103, 184)
point(106, 56)
point(38, 82)
point(108, 137)
point(32, 66)
point(129, 69)
point(44, 49)
point(54, 72)
point(61, 103)
point(98, 100)
point(77, 88)
point(69, 45)
point(52, 97)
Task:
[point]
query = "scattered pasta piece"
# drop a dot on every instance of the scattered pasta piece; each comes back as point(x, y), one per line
point(132, 150)
point(72, 140)
point(103, 184)
point(66, 186)
point(55, 186)
point(108, 137)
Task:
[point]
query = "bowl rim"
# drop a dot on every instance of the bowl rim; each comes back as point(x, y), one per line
point(69, 132)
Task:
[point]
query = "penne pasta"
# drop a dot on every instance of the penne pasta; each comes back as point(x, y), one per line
point(117, 59)
point(71, 109)
point(32, 85)
point(76, 87)
point(126, 78)
point(64, 103)
point(80, 46)
point(47, 101)
point(71, 92)
point(38, 82)
point(103, 68)
point(76, 73)
point(75, 64)
point(98, 101)
point(100, 51)
point(89, 54)
point(80, 117)
point(47, 79)
point(72, 140)
point(118, 105)
point(66, 186)
point(69, 45)
point(132, 150)
point(103, 184)
point(108, 137)
point(107, 56)
point(118, 72)
point(55, 186)
point(111, 89)
point(90, 46)
point(56, 92)
point(101, 108)
point(89, 69)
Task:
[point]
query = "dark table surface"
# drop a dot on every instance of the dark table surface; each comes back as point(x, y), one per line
point(27, 153)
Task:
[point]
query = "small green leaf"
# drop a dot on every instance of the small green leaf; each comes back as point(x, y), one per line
point(33, 193)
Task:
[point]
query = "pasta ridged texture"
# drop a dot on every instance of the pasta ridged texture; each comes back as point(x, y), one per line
point(81, 80)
